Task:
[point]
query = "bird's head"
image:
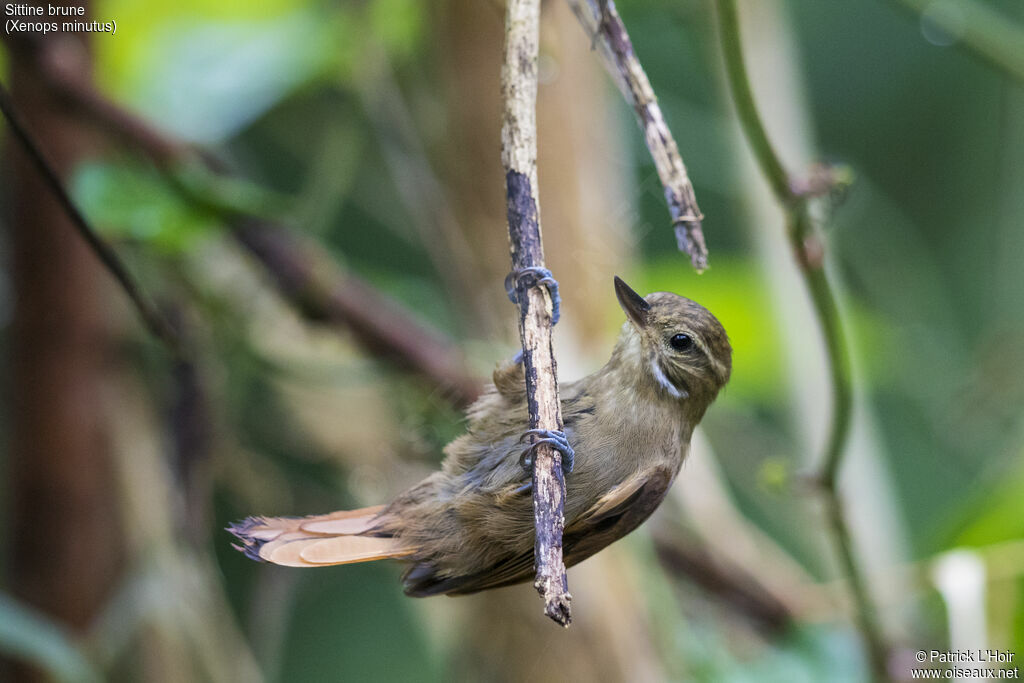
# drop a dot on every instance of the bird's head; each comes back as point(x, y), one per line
point(679, 348)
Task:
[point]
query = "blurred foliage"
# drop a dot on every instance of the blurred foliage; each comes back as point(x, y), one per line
point(28, 635)
point(132, 202)
point(927, 243)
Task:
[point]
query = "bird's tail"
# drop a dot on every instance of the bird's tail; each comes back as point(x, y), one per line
point(317, 541)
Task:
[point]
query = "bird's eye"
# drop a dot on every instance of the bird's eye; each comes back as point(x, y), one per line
point(681, 342)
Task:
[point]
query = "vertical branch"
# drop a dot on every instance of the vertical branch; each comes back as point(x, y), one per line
point(191, 429)
point(519, 158)
point(601, 20)
point(808, 253)
point(151, 318)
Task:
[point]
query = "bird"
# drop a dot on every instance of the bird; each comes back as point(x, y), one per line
point(470, 527)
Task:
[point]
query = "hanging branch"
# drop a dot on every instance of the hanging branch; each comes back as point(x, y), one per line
point(314, 285)
point(732, 586)
point(150, 316)
point(601, 21)
point(808, 251)
point(519, 158)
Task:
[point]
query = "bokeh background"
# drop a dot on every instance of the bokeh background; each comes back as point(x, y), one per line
point(368, 134)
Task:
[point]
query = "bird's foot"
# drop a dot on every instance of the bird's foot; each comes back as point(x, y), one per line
point(532, 277)
point(528, 486)
point(554, 438)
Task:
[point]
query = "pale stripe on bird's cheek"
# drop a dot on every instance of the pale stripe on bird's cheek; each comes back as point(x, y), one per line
point(662, 379)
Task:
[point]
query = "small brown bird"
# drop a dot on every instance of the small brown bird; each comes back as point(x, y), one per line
point(469, 527)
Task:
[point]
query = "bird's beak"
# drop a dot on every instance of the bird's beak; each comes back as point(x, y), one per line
point(632, 303)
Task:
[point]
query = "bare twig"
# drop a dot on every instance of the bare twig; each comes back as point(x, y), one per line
point(519, 157)
point(734, 587)
point(602, 22)
point(313, 284)
point(305, 276)
point(151, 317)
point(808, 251)
point(188, 413)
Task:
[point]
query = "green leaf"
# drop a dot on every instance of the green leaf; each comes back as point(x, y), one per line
point(398, 24)
point(992, 513)
point(28, 635)
point(224, 195)
point(130, 201)
point(206, 73)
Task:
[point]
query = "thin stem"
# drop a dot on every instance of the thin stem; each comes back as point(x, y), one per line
point(838, 360)
point(152, 319)
point(746, 107)
point(805, 247)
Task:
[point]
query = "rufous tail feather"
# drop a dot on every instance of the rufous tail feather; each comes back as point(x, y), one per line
point(316, 541)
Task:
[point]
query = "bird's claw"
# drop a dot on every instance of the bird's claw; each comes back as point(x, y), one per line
point(554, 438)
point(534, 276)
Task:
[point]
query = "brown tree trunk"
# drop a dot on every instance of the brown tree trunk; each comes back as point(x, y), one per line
point(63, 553)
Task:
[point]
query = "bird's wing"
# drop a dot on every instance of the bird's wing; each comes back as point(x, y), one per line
point(614, 515)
